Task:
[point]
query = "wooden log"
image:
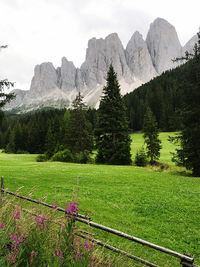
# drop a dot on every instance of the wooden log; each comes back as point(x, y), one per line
point(2, 186)
point(136, 239)
point(114, 249)
point(42, 203)
point(185, 263)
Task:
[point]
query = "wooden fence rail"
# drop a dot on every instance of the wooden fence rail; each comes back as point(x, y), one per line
point(186, 259)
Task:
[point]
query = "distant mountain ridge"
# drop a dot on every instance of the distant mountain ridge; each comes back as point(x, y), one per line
point(136, 64)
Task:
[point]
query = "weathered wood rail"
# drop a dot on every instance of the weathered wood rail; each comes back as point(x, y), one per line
point(186, 260)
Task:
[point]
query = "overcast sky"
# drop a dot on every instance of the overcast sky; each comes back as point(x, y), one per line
point(39, 31)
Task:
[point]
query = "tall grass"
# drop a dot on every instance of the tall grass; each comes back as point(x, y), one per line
point(27, 239)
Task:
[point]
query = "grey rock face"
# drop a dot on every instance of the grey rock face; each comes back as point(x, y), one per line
point(67, 75)
point(100, 54)
point(139, 59)
point(189, 46)
point(44, 80)
point(163, 45)
point(18, 100)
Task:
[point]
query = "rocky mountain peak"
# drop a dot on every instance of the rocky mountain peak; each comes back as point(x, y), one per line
point(44, 79)
point(189, 46)
point(139, 59)
point(67, 75)
point(163, 44)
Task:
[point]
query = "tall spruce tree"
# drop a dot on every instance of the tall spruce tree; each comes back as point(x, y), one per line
point(151, 139)
point(4, 97)
point(189, 139)
point(5, 84)
point(79, 132)
point(112, 137)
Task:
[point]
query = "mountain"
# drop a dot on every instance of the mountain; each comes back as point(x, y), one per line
point(163, 44)
point(189, 46)
point(136, 64)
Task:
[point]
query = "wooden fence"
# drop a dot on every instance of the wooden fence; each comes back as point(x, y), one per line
point(186, 260)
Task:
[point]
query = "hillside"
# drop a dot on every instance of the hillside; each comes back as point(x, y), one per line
point(159, 206)
point(165, 95)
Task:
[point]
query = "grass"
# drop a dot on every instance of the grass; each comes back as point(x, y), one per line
point(167, 147)
point(160, 207)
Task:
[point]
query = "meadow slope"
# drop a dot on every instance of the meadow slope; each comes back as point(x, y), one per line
point(162, 207)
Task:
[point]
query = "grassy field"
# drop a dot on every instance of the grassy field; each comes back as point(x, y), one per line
point(162, 207)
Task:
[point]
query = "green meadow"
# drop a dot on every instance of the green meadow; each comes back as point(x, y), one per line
point(160, 206)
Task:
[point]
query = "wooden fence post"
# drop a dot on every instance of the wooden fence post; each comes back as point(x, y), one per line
point(186, 263)
point(2, 186)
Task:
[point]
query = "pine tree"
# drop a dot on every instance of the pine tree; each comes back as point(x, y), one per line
point(5, 84)
point(112, 138)
point(50, 142)
point(151, 139)
point(79, 135)
point(189, 139)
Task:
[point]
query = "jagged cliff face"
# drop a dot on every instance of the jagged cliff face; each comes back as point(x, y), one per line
point(163, 45)
point(138, 58)
point(189, 46)
point(138, 63)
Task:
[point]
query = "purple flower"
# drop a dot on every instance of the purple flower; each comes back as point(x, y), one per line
point(88, 247)
point(16, 214)
point(17, 240)
point(13, 237)
point(71, 208)
point(11, 259)
point(2, 225)
point(37, 219)
point(54, 206)
point(33, 253)
point(43, 218)
point(55, 253)
point(40, 221)
point(61, 258)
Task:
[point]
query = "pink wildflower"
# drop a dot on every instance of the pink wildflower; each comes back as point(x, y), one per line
point(16, 214)
point(72, 209)
point(54, 206)
point(87, 246)
point(2, 225)
point(40, 221)
point(56, 253)
point(33, 253)
point(61, 258)
point(43, 218)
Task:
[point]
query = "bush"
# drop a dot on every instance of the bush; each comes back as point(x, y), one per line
point(82, 157)
point(141, 158)
point(22, 152)
point(64, 156)
point(41, 158)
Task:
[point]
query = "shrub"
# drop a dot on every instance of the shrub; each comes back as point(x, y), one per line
point(64, 156)
point(22, 152)
point(141, 158)
point(41, 158)
point(82, 157)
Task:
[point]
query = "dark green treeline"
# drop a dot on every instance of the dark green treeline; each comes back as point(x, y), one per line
point(39, 131)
